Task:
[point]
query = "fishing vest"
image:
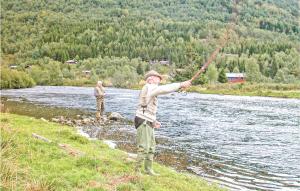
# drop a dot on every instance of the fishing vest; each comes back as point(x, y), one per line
point(147, 107)
point(98, 91)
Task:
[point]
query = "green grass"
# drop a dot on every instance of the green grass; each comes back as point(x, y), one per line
point(28, 163)
point(247, 89)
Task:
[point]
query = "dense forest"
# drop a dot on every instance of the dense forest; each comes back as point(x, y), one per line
point(117, 41)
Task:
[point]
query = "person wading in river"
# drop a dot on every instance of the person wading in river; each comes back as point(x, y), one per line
point(99, 94)
point(145, 119)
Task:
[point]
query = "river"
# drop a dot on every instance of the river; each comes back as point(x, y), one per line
point(246, 143)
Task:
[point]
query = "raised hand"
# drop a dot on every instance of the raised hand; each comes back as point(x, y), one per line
point(186, 84)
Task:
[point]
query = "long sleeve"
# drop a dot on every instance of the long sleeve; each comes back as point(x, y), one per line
point(165, 89)
point(149, 95)
point(102, 89)
point(143, 96)
point(99, 91)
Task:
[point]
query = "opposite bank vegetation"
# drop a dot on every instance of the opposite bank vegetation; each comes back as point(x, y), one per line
point(72, 162)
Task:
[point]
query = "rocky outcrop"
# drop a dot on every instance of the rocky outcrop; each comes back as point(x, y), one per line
point(88, 120)
point(115, 116)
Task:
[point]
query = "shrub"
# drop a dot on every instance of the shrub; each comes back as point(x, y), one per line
point(15, 79)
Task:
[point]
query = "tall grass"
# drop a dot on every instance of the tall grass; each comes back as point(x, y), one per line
point(13, 175)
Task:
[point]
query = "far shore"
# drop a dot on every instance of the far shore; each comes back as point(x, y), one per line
point(239, 89)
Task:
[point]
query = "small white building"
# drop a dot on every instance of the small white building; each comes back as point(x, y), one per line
point(161, 62)
point(13, 66)
point(86, 72)
point(71, 62)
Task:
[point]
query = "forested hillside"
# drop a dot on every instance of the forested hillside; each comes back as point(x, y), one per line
point(116, 40)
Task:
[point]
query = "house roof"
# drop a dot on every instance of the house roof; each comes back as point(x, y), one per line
point(13, 66)
point(71, 62)
point(235, 75)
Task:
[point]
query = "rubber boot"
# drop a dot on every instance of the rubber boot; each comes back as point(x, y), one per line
point(139, 164)
point(148, 168)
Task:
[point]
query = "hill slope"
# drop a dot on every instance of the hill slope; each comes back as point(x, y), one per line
point(113, 38)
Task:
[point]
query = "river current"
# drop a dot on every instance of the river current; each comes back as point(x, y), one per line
point(246, 143)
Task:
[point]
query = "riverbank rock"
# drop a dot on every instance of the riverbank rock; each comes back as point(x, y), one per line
point(115, 116)
point(86, 121)
point(43, 119)
point(55, 120)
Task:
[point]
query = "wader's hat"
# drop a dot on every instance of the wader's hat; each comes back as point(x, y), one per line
point(152, 73)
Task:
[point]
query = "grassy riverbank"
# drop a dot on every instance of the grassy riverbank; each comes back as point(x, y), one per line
point(28, 163)
point(247, 89)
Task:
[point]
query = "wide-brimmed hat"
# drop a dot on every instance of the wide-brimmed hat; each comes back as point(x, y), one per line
point(152, 73)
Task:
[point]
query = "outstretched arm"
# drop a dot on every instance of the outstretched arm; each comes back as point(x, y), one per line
point(165, 89)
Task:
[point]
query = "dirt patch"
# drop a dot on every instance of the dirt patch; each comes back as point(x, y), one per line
point(113, 182)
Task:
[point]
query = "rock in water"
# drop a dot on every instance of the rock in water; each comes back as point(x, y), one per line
point(115, 116)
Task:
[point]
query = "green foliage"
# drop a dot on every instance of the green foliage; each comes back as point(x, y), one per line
point(252, 71)
point(236, 70)
point(139, 69)
point(212, 74)
point(222, 76)
point(125, 78)
point(251, 89)
point(147, 68)
point(15, 79)
point(101, 34)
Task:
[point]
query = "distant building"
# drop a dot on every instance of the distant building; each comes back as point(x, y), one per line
point(235, 77)
point(162, 62)
point(13, 66)
point(71, 62)
point(86, 72)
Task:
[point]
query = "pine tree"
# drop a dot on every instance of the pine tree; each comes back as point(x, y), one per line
point(212, 74)
point(236, 70)
point(147, 68)
point(222, 76)
point(139, 69)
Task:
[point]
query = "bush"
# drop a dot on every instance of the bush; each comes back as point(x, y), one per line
point(15, 79)
point(125, 78)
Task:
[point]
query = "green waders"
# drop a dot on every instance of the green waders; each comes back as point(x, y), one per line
point(146, 148)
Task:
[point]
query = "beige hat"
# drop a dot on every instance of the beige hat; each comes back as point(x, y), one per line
point(152, 73)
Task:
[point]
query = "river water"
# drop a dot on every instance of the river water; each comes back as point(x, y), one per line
point(246, 143)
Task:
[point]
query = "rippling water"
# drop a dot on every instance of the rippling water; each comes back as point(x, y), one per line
point(243, 142)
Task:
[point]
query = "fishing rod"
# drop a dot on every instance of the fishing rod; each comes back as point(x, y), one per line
point(224, 41)
point(209, 61)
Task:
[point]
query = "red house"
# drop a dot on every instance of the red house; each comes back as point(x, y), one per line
point(235, 77)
